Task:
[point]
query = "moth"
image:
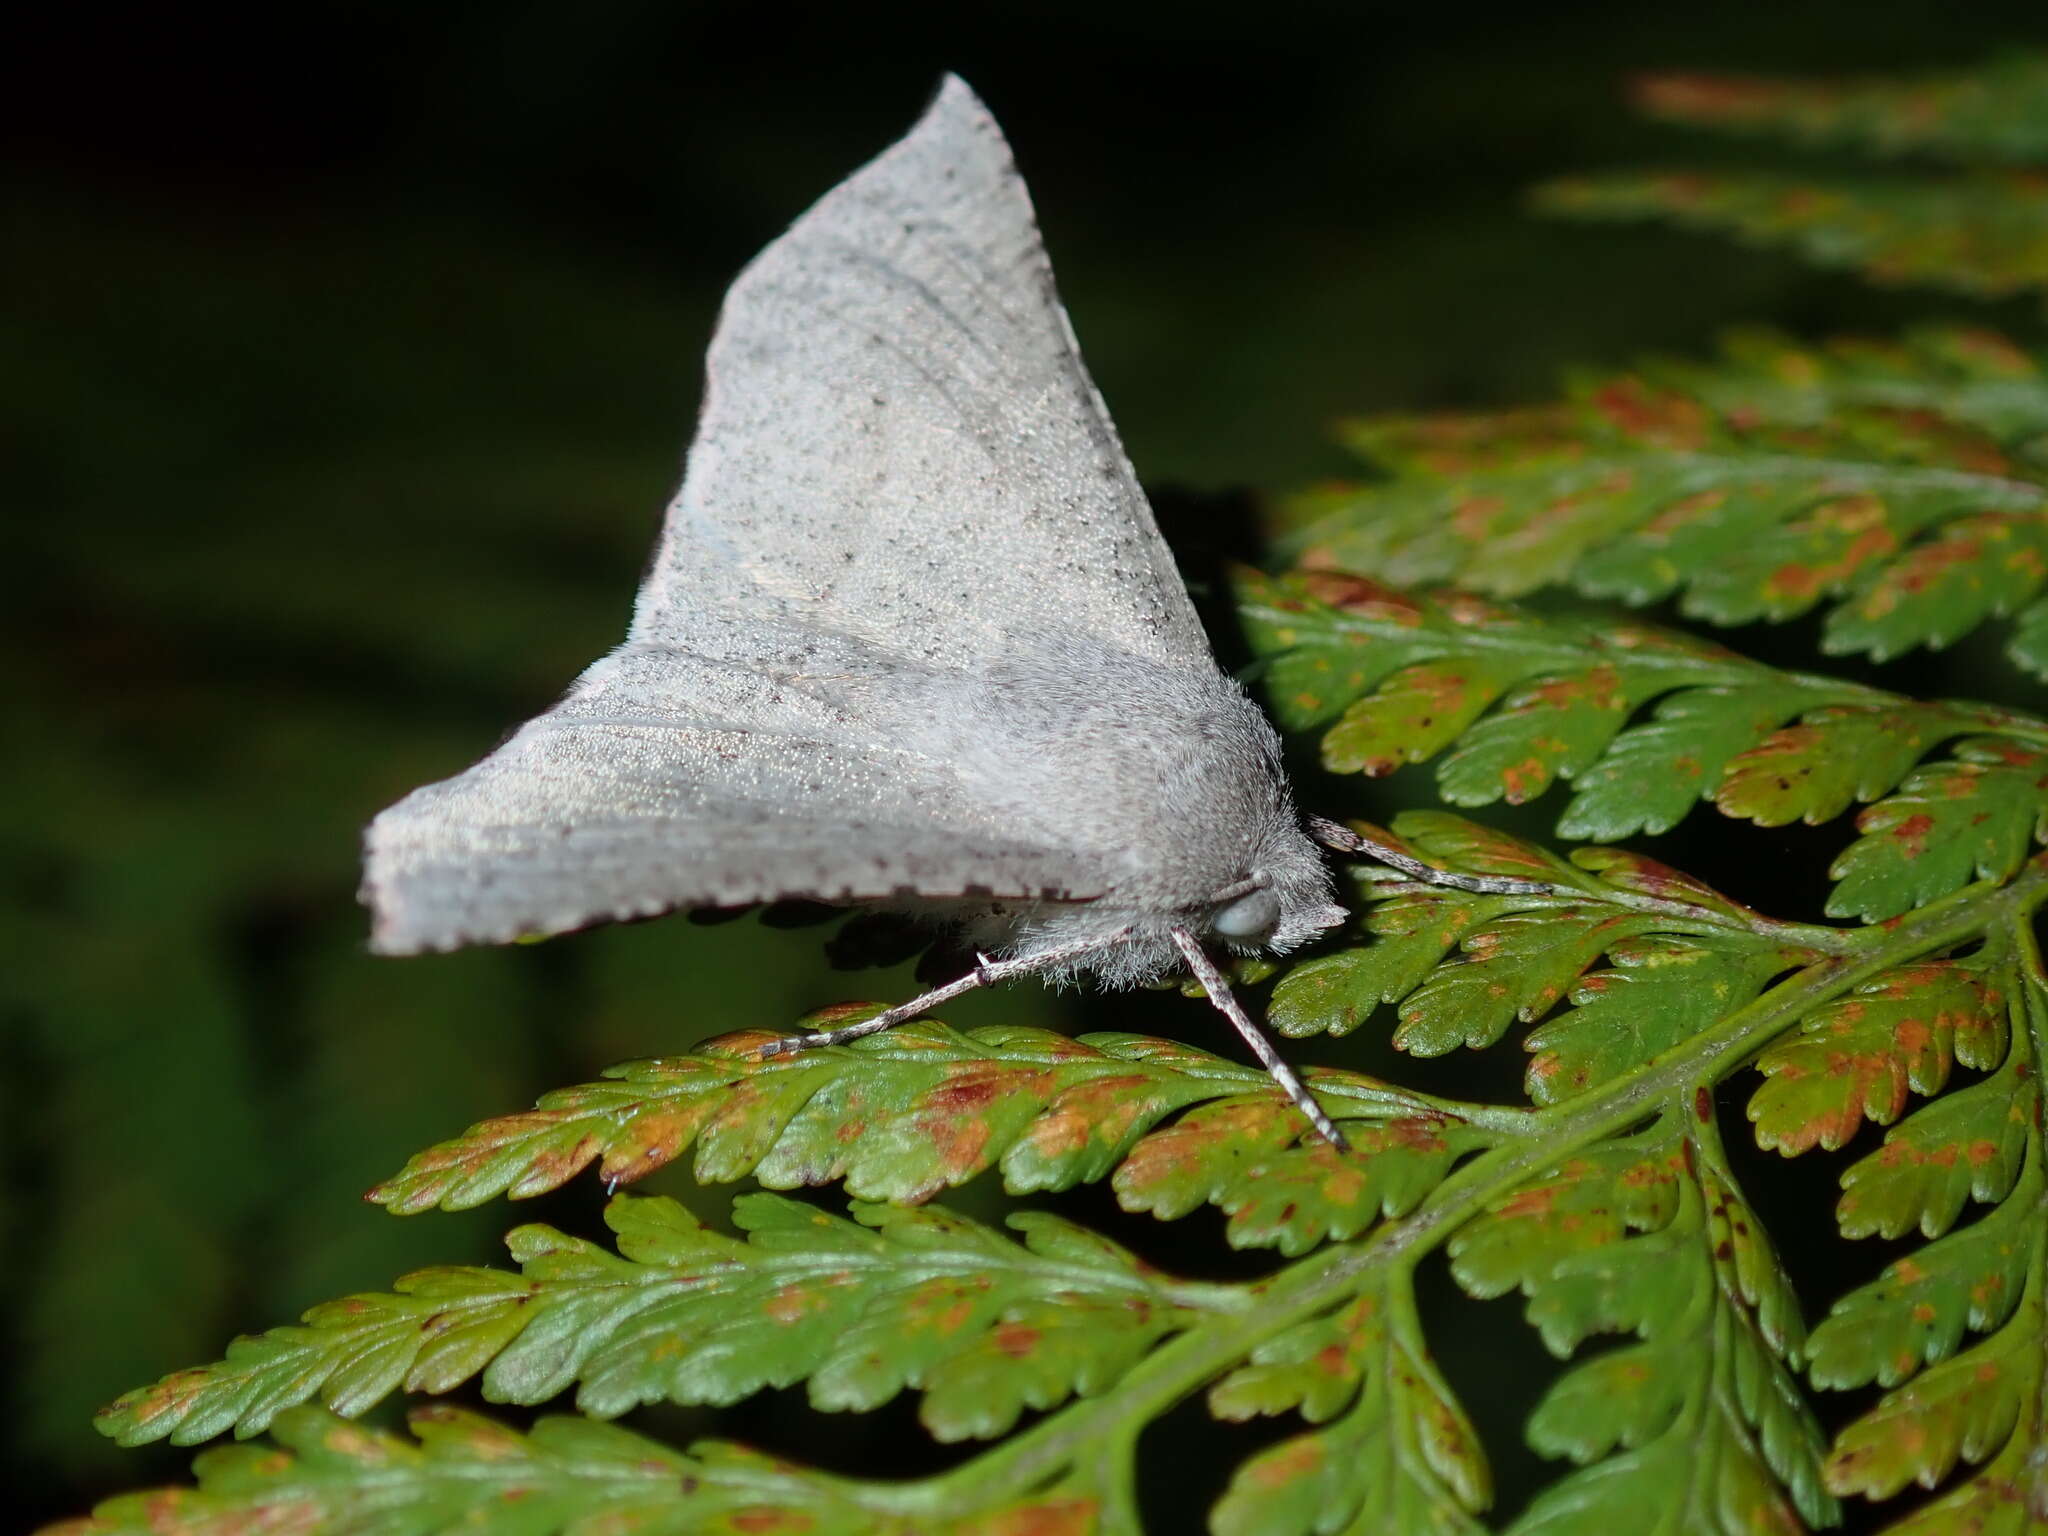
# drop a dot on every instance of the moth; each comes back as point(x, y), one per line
point(911, 640)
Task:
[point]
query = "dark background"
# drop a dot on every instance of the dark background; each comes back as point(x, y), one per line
point(348, 358)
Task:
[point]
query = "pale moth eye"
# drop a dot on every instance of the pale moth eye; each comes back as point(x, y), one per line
point(1251, 916)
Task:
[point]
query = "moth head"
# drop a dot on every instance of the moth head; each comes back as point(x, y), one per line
point(1277, 909)
point(1247, 919)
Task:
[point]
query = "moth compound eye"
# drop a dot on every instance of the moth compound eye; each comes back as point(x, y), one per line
point(1249, 917)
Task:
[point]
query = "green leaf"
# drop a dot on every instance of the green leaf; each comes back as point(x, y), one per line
point(2029, 645)
point(1905, 482)
point(1585, 671)
point(1984, 234)
point(1967, 1145)
point(1654, 773)
point(896, 1116)
point(1964, 1409)
point(1856, 1058)
point(1835, 757)
point(1315, 668)
point(1974, 569)
point(1531, 1239)
point(1698, 1425)
point(1976, 817)
point(1615, 1401)
point(1672, 1486)
point(1281, 1190)
point(1518, 966)
point(1717, 732)
point(1916, 1312)
point(1997, 110)
point(1970, 1404)
point(464, 1471)
point(1410, 933)
point(1416, 713)
point(1297, 1197)
point(1396, 1452)
point(1681, 956)
point(1607, 1221)
point(1981, 1404)
point(1661, 992)
point(861, 1310)
point(1549, 730)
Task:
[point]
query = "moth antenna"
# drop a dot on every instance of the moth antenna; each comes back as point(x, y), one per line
point(1239, 888)
point(1226, 1003)
point(986, 973)
point(1335, 835)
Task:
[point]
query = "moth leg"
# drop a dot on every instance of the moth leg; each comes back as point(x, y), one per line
point(986, 973)
point(1226, 1003)
point(1335, 835)
point(789, 1045)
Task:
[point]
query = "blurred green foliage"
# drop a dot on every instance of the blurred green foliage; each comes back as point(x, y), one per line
point(346, 360)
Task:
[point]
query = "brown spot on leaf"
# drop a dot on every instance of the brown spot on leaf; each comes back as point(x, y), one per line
point(1472, 518)
point(1911, 834)
point(1686, 510)
point(1661, 418)
point(790, 1304)
point(1060, 1133)
point(1524, 781)
point(1287, 1463)
point(1053, 1517)
point(755, 1521)
point(1525, 1204)
point(1016, 1340)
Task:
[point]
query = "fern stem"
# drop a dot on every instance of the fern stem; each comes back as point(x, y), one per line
point(1500, 1119)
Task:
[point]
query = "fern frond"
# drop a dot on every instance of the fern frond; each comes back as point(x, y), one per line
point(1974, 817)
point(1701, 1415)
point(1981, 229)
point(1515, 702)
point(1612, 1209)
point(1858, 1058)
point(1984, 234)
point(1909, 482)
point(1394, 1452)
point(1997, 111)
point(1917, 1312)
point(901, 1115)
point(1461, 968)
point(1967, 1145)
point(1981, 1404)
point(463, 1471)
point(1984, 1403)
point(1591, 1241)
point(860, 1310)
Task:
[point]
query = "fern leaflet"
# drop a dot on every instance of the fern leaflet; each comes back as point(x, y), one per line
point(1909, 483)
point(1515, 702)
